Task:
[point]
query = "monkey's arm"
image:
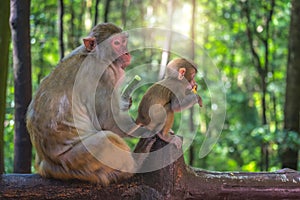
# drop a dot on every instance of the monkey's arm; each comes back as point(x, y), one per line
point(126, 127)
point(188, 101)
point(126, 100)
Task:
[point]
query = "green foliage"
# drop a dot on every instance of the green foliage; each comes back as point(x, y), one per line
point(227, 44)
point(9, 125)
point(8, 142)
point(288, 139)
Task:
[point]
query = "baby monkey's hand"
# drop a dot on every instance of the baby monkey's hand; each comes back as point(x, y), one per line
point(194, 90)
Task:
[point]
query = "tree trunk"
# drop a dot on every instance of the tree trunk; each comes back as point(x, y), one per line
point(79, 30)
point(96, 12)
point(192, 129)
point(174, 182)
point(192, 124)
point(167, 46)
point(61, 28)
point(106, 11)
point(292, 97)
point(4, 44)
point(124, 12)
point(19, 22)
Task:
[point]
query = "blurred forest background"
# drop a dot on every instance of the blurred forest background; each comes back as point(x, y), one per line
point(249, 41)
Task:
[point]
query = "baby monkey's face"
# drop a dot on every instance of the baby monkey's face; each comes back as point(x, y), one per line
point(190, 77)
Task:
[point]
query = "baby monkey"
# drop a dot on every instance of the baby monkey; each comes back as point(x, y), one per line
point(176, 92)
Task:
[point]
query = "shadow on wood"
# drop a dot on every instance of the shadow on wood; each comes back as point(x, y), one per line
point(175, 181)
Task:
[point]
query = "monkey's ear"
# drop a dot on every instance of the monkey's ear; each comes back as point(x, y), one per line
point(181, 73)
point(89, 43)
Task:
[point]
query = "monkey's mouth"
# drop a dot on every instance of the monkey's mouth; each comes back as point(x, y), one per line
point(124, 60)
point(189, 86)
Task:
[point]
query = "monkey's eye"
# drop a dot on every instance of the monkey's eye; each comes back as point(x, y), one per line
point(116, 42)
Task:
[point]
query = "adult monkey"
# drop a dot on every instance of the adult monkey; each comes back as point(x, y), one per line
point(71, 118)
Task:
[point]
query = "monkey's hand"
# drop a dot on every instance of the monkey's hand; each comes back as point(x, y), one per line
point(174, 139)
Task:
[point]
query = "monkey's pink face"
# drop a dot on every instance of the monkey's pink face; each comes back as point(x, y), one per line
point(119, 45)
point(192, 81)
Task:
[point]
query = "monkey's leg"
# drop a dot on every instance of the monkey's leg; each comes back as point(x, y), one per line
point(165, 135)
point(103, 158)
point(169, 121)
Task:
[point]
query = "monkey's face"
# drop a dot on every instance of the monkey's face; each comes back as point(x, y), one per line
point(119, 46)
point(190, 77)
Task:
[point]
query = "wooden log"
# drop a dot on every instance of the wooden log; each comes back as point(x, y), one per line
point(175, 181)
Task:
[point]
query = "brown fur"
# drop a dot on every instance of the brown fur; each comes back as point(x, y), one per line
point(71, 139)
point(156, 109)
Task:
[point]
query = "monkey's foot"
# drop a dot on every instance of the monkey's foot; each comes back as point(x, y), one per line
point(174, 139)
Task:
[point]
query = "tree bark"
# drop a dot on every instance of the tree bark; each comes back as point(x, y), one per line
point(19, 22)
point(4, 44)
point(124, 13)
point(167, 46)
point(292, 97)
point(192, 124)
point(176, 181)
point(61, 28)
point(106, 11)
point(96, 12)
